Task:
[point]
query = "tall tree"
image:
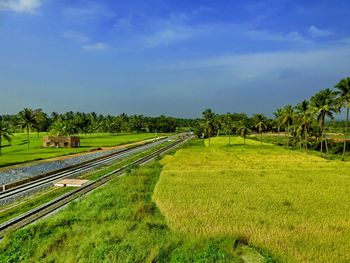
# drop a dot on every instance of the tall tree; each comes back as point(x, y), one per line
point(4, 134)
point(229, 125)
point(304, 118)
point(27, 121)
point(278, 117)
point(323, 103)
point(287, 119)
point(42, 121)
point(209, 122)
point(243, 129)
point(343, 100)
point(260, 124)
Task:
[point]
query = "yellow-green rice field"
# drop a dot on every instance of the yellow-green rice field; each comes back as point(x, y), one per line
point(293, 205)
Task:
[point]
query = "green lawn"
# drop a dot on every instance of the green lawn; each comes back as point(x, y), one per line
point(118, 223)
point(293, 205)
point(17, 152)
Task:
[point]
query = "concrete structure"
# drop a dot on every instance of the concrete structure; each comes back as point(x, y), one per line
point(71, 182)
point(61, 141)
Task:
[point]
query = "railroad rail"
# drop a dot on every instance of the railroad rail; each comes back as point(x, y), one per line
point(45, 209)
point(40, 180)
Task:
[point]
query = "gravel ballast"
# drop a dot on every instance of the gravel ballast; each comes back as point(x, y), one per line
point(21, 173)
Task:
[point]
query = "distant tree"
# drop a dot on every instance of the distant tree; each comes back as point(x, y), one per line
point(243, 130)
point(209, 122)
point(260, 123)
point(137, 123)
point(4, 134)
point(60, 128)
point(323, 104)
point(229, 124)
point(55, 116)
point(304, 117)
point(343, 100)
point(278, 118)
point(27, 121)
point(42, 121)
point(287, 119)
point(123, 119)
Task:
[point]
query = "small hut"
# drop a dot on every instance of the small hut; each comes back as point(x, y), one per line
point(61, 141)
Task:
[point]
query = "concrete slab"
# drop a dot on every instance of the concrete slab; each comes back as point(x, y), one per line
point(71, 182)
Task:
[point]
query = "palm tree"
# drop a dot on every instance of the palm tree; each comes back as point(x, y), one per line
point(229, 125)
point(287, 119)
point(323, 104)
point(60, 128)
point(243, 130)
point(27, 121)
point(4, 134)
point(304, 118)
point(260, 124)
point(278, 117)
point(343, 100)
point(209, 122)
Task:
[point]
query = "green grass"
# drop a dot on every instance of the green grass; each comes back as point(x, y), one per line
point(118, 223)
point(17, 152)
point(293, 205)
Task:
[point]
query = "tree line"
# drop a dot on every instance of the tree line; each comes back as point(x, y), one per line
point(72, 123)
point(303, 124)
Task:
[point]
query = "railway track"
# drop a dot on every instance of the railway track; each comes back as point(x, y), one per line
point(45, 209)
point(74, 170)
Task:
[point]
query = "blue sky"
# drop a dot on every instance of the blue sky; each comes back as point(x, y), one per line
point(169, 57)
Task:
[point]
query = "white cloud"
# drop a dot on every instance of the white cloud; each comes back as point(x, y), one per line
point(330, 60)
point(87, 13)
point(293, 36)
point(174, 29)
point(168, 36)
point(316, 32)
point(76, 36)
point(22, 6)
point(95, 46)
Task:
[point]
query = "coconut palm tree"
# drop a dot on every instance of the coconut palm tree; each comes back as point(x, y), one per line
point(229, 125)
point(287, 119)
point(243, 130)
point(27, 121)
point(304, 117)
point(323, 104)
point(260, 124)
point(209, 122)
point(343, 100)
point(278, 117)
point(4, 134)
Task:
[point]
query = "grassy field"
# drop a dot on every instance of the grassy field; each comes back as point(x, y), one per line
point(17, 152)
point(118, 223)
point(293, 205)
